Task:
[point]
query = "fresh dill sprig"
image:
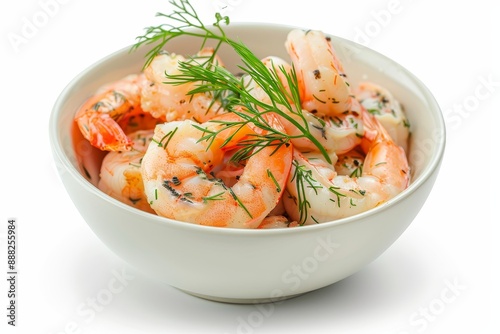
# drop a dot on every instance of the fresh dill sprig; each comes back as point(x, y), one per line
point(189, 24)
point(216, 197)
point(303, 180)
point(210, 77)
point(335, 190)
point(165, 139)
point(271, 175)
point(357, 172)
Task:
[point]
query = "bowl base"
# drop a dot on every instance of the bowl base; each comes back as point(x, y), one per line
point(250, 301)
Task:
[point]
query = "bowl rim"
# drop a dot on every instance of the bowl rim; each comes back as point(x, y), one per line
point(427, 172)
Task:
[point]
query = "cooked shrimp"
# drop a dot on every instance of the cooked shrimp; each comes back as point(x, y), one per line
point(99, 118)
point(319, 194)
point(278, 67)
point(121, 172)
point(162, 98)
point(323, 85)
point(337, 134)
point(381, 103)
point(177, 172)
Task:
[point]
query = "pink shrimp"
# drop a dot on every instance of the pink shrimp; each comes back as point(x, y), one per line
point(106, 117)
point(324, 89)
point(121, 172)
point(177, 173)
point(337, 134)
point(164, 99)
point(383, 105)
point(318, 193)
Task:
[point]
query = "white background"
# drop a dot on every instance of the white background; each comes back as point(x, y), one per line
point(441, 276)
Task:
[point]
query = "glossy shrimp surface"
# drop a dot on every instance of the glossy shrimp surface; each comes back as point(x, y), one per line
point(121, 176)
point(318, 193)
point(381, 103)
point(325, 148)
point(324, 89)
point(180, 184)
point(336, 134)
point(163, 99)
point(100, 116)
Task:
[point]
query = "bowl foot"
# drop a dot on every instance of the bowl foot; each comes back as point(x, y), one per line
point(241, 300)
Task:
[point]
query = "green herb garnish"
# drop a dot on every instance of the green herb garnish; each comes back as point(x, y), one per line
point(208, 76)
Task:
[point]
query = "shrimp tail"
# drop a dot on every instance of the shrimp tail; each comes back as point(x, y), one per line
point(386, 160)
point(103, 132)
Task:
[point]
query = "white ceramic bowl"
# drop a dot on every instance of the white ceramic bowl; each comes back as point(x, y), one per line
point(248, 265)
